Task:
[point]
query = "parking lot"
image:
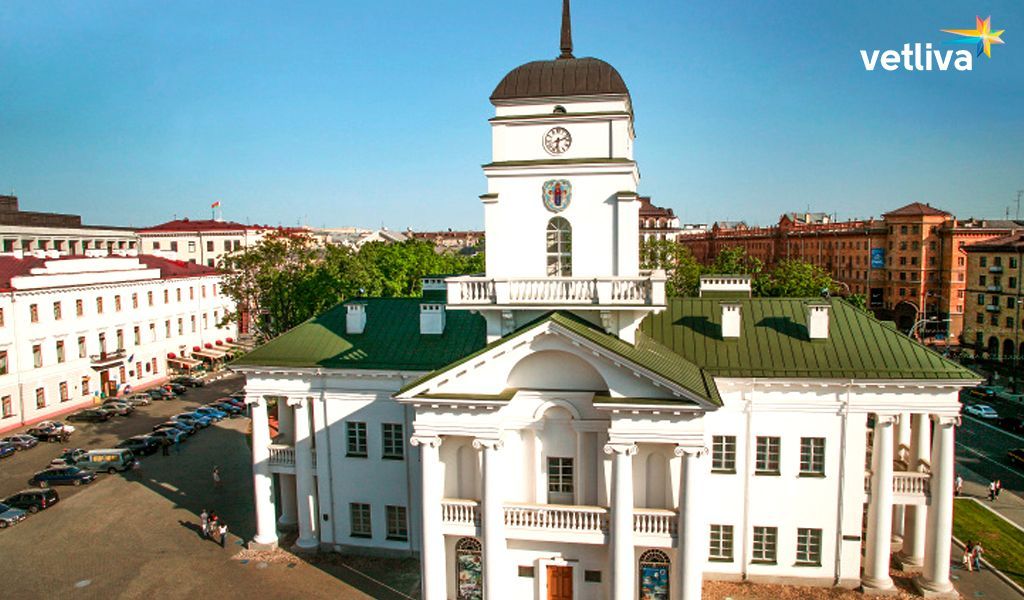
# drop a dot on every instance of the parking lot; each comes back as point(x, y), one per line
point(136, 534)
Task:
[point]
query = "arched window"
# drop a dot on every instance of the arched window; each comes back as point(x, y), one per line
point(993, 347)
point(1008, 349)
point(559, 109)
point(559, 248)
point(654, 566)
point(469, 573)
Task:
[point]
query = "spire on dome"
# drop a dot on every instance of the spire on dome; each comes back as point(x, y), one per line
point(566, 31)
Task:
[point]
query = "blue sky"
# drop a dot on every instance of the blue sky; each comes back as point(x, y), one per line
point(370, 113)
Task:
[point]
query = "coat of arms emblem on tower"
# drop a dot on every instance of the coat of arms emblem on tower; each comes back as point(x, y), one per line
point(557, 194)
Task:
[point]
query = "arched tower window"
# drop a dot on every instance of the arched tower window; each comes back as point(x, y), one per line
point(469, 573)
point(559, 248)
point(654, 566)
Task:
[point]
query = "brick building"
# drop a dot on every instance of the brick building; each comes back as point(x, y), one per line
point(656, 222)
point(910, 264)
point(994, 293)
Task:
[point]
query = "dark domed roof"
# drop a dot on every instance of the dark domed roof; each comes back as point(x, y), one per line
point(560, 77)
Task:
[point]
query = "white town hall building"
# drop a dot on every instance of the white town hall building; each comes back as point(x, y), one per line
point(559, 429)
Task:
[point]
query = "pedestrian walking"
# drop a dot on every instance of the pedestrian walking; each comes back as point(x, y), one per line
point(968, 555)
point(165, 447)
point(223, 530)
point(992, 491)
point(976, 553)
point(999, 487)
point(216, 476)
point(958, 486)
point(204, 523)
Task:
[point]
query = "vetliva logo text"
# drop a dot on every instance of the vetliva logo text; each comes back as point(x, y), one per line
point(917, 58)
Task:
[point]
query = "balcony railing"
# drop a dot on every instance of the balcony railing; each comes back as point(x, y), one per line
point(992, 307)
point(908, 487)
point(575, 291)
point(554, 517)
point(283, 456)
point(107, 358)
point(995, 269)
point(994, 288)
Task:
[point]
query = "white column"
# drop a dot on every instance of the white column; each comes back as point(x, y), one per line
point(692, 526)
point(285, 424)
point(935, 575)
point(623, 567)
point(876, 562)
point(912, 554)
point(432, 553)
point(286, 491)
point(263, 485)
point(493, 520)
point(902, 439)
point(305, 488)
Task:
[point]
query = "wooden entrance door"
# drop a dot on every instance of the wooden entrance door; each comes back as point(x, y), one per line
point(559, 583)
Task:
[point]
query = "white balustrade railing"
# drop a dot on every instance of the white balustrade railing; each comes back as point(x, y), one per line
point(911, 483)
point(552, 289)
point(553, 517)
point(631, 291)
point(644, 290)
point(460, 512)
point(653, 521)
point(282, 455)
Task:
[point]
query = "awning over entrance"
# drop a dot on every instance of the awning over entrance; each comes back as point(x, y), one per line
point(187, 363)
point(208, 354)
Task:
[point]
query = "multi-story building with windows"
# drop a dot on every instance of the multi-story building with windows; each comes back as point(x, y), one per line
point(75, 328)
point(910, 264)
point(995, 289)
point(200, 241)
point(557, 428)
point(29, 231)
point(657, 222)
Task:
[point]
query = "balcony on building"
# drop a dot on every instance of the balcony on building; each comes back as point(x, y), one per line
point(992, 307)
point(282, 458)
point(995, 288)
point(105, 360)
point(995, 269)
point(475, 291)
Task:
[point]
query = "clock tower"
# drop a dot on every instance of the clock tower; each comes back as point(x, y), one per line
point(561, 209)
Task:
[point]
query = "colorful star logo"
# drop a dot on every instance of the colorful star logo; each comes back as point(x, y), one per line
point(982, 35)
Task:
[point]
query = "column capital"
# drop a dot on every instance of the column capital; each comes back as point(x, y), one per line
point(945, 420)
point(488, 443)
point(298, 401)
point(255, 400)
point(419, 439)
point(626, 448)
point(885, 419)
point(694, 451)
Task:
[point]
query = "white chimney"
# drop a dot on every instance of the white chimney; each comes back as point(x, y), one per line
point(432, 317)
point(730, 320)
point(817, 321)
point(355, 317)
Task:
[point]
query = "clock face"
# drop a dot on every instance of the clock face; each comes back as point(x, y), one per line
point(557, 140)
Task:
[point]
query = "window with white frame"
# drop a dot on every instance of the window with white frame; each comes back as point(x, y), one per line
point(767, 462)
point(721, 543)
point(808, 547)
point(398, 528)
point(560, 476)
point(359, 514)
point(355, 435)
point(723, 454)
point(765, 544)
point(559, 248)
point(812, 456)
point(393, 442)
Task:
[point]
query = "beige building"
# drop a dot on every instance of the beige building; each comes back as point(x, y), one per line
point(992, 321)
point(203, 241)
point(31, 231)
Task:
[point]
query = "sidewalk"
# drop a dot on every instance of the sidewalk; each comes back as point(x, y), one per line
point(1008, 504)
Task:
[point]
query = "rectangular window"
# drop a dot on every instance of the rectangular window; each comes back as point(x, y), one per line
point(167, 296)
point(209, 245)
point(1, 317)
point(7, 407)
point(156, 245)
point(394, 444)
point(206, 324)
point(984, 261)
point(81, 347)
point(33, 313)
point(998, 261)
point(193, 323)
point(191, 293)
point(120, 339)
point(60, 351)
point(167, 328)
point(85, 385)
point(137, 333)
point(99, 305)
point(764, 546)
point(721, 544)
point(559, 475)
point(1009, 322)
point(57, 313)
point(40, 397)
point(37, 356)
point(723, 454)
point(355, 434)
point(3, 362)
point(808, 547)
point(174, 246)
point(79, 308)
point(64, 391)
point(360, 520)
point(398, 528)
point(191, 246)
point(135, 300)
point(178, 294)
point(767, 455)
point(181, 326)
point(812, 456)
point(149, 298)
point(117, 303)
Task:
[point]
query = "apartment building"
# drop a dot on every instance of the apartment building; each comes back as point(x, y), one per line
point(30, 231)
point(200, 241)
point(995, 289)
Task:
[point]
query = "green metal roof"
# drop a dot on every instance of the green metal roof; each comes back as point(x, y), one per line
point(390, 341)
point(773, 342)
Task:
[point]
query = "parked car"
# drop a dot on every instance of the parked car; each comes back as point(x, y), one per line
point(58, 425)
point(168, 433)
point(176, 388)
point(68, 457)
point(189, 381)
point(107, 460)
point(1011, 424)
point(20, 441)
point(138, 400)
point(1016, 456)
point(177, 425)
point(982, 391)
point(62, 476)
point(10, 515)
point(141, 445)
point(213, 413)
point(33, 501)
point(193, 419)
point(118, 407)
point(160, 394)
point(91, 414)
point(983, 411)
point(7, 450)
point(227, 407)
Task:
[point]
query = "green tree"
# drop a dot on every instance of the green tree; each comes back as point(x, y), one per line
point(796, 278)
point(677, 261)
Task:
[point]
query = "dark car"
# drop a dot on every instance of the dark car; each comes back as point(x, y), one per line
point(176, 425)
point(189, 381)
point(194, 419)
point(7, 450)
point(91, 414)
point(62, 476)
point(69, 457)
point(982, 391)
point(176, 388)
point(20, 441)
point(168, 432)
point(1016, 456)
point(33, 501)
point(141, 444)
point(227, 407)
point(1011, 424)
point(49, 434)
